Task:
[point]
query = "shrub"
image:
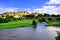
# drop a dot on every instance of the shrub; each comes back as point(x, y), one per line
point(50, 19)
point(9, 18)
point(57, 18)
point(2, 20)
point(40, 20)
point(43, 20)
point(34, 23)
point(58, 37)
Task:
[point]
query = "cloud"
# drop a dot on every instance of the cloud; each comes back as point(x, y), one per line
point(44, 9)
point(26, 9)
point(10, 9)
point(53, 2)
point(48, 10)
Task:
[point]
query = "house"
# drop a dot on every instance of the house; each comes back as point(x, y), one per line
point(1, 15)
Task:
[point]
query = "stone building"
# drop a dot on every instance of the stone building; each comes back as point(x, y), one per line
point(15, 14)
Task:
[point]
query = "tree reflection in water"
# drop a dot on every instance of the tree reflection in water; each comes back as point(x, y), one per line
point(58, 37)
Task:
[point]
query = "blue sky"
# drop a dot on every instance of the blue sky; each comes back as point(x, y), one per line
point(45, 6)
point(23, 3)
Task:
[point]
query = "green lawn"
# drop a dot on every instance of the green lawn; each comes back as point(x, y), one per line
point(14, 24)
point(54, 23)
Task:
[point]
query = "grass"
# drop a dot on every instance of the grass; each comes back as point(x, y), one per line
point(15, 24)
point(53, 23)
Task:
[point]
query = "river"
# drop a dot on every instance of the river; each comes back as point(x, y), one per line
point(41, 32)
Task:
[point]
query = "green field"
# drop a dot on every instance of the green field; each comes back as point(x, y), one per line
point(14, 24)
point(53, 23)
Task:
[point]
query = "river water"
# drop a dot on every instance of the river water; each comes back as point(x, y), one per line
point(41, 32)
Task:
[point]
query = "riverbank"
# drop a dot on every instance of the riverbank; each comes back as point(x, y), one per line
point(53, 23)
point(14, 24)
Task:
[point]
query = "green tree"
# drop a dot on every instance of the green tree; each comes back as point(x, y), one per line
point(46, 15)
point(53, 15)
point(34, 23)
point(9, 18)
point(29, 16)
point(1, 20)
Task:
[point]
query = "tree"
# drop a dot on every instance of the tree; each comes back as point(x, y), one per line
point(40, 20)
point(29, 16)
point(50, 19)
point(34, 23)
point(57, 15)
point(9, 18)
point(43, 20)
point(53, 15)
point(2, 20)
point(39, 16)
point(46, 15)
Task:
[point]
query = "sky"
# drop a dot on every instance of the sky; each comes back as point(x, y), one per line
point(41, 6)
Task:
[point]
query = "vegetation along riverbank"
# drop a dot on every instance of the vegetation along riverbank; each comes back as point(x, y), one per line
point(10, 20)
point(14, 24)
point(55, 23)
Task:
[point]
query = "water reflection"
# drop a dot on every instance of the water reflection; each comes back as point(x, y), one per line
point(34, 27)
point(40, 32)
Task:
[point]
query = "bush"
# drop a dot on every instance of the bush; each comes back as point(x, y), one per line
point(40, 20)
point(43, 20)
point(34, 23)
point(9, 18)
point(50, 19)
point(2, 20)
point(57, 18)
point(58, 37)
